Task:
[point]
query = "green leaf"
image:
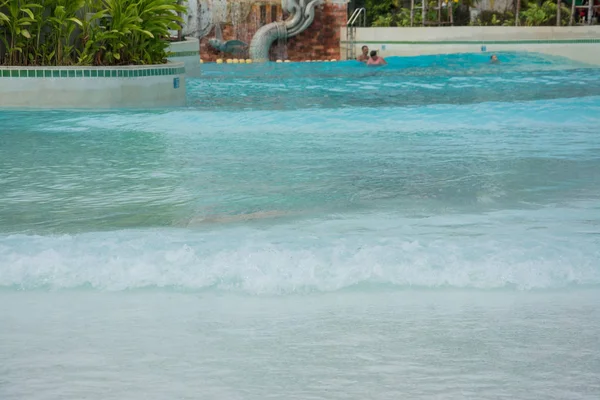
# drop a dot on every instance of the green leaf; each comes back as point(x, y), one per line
point(75, 20)
point(25, 33)
point(28, 12)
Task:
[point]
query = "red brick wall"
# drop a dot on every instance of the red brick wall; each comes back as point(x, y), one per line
point(321, 41)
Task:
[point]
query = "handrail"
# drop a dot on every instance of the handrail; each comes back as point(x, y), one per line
point(357, 13)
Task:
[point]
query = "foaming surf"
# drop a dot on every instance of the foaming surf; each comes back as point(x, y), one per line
point(462, 251)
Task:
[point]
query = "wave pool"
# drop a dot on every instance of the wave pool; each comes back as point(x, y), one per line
point(429, 229)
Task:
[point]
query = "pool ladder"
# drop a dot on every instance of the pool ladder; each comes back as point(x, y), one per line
point(357, 19)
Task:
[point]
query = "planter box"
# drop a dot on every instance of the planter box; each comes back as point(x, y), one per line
point(147, 86)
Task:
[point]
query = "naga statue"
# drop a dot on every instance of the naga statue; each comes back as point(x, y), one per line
point(302, 14)
point(226, 46)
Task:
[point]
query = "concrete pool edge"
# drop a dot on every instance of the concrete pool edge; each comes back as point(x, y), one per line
point(160, 85)
point(580, 43)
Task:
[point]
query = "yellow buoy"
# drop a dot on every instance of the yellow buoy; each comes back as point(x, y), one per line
point(248, 61)
point(287, 61)
point(333, 60)
point(219, 61)
point(228, 61)
point(278, 61)
point(201, 61)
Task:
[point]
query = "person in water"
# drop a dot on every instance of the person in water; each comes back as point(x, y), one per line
point(364, 57)
point(375, 59)
point(494, 59)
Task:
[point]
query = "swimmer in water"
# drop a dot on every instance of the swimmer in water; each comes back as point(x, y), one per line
point(364, 57)
point(375, 59)
point(494, 59)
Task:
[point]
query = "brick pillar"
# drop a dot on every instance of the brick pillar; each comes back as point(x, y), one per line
point(321, 41)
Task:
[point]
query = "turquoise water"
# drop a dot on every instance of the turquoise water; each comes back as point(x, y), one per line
point(357, 213)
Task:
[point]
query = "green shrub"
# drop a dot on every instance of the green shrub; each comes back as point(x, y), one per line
point(86, 32)
point(545, 14)
point(400, 16)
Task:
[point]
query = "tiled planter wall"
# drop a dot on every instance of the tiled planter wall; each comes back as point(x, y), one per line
point(93, 87)
point(188, 53)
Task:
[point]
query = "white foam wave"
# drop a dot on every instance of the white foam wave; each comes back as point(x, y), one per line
point(299, 258)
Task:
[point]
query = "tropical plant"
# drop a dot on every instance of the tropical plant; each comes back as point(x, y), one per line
point(545, 14)
point(86, 32)
point(494, 18)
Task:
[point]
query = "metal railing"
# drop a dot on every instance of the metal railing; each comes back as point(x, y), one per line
point(358, 18)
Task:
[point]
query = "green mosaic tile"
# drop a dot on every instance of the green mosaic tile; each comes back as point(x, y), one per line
point(86, 73)
point(184, 54)
point(94, 73)
point(120, 73)
point(79, 73)
point(112, 73)
point(39, 73)
point(64, 74)
point(47, 73)
point(31, 73)
point(5, 73)
point(56, 73)
point(71, 73)
point(135, 73)
point(14, 73)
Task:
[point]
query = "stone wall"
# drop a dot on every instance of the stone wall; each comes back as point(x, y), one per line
point(321, 41)
point(261, 13)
